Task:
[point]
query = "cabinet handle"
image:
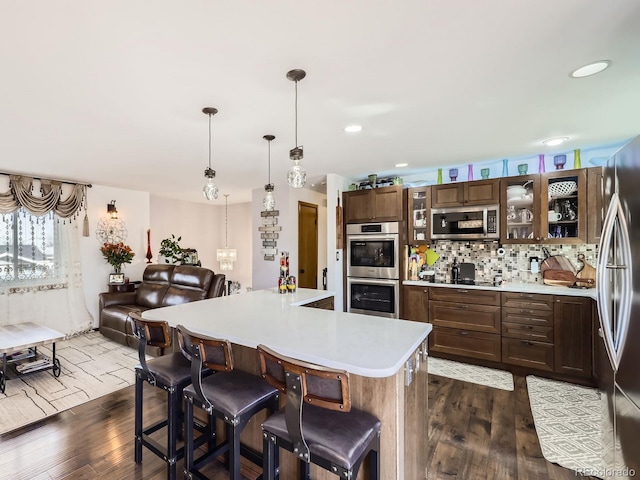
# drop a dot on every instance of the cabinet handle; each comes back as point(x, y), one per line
point(528, 327)
point(529, 344)
point(463, 291)
point(524, 295)
point(463, 306)
point(425, 291)
point(464, 332)
point(526, 311)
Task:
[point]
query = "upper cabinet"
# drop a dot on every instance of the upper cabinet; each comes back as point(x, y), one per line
point(594, 204)
point(520, 209)
point(419, 206)
point(382, 204)
point(563, 203)
point(480, 192)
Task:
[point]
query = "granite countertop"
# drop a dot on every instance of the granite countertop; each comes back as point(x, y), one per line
point(364, 345)
point(514, 287)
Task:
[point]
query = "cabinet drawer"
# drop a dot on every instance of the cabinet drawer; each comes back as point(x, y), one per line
point(465, 295)
point(533, 301)
point(527, 332)
point(465, 343)
point(479, 318)
point(526, 353)
point(528, 316)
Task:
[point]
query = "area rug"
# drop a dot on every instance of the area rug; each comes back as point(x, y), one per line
point(489, 377)
point(567, 419)
point(92, 366)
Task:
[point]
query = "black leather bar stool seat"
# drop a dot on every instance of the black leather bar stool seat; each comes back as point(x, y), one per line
point(327, 431)
point(230, 395)
point(171, 373)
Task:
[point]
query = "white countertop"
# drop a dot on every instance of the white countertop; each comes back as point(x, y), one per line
point(364, 345)
point(515, 287)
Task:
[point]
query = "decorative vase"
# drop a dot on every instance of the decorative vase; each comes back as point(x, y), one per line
point(453, 174)
point(576, 158)
point(484, 173)
point(541, 163)
point(470, 176)
point(149, 254)
point(505, 168)
point(117, 269)
point(439, 176)
point(559, 161)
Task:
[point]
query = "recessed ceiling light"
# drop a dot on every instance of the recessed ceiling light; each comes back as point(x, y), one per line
point(401, 165)
point(554, 142)
point(353, 128)
point(591, 69)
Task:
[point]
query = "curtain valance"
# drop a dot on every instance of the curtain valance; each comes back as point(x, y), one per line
point(51, 198)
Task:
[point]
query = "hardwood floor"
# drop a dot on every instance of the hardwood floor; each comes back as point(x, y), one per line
point(478, 432)
point(475, 432)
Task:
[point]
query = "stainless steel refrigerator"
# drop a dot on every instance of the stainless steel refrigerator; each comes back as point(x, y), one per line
point(618, 285)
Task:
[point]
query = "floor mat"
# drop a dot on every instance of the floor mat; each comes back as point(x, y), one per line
point(471, 373)
point(92, 366)
point(567, 419)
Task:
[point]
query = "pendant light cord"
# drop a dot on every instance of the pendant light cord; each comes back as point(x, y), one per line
point(226, 229)
point(269, 167)
point(209, 140)
point(296, 82)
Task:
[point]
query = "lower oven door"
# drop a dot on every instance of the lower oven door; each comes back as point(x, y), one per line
point(373, 296)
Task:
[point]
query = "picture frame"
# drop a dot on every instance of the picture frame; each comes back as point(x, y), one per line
point(189, 256)
point(116, 278)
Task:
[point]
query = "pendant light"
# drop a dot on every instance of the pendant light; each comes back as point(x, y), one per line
point(296, 176)
point(268, 202)
point(226, 256)
point(210, 189)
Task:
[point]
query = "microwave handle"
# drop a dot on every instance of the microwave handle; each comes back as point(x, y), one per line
point(485, 219)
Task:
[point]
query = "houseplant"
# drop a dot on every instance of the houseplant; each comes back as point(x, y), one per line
point(117, 254)
point(171, 250)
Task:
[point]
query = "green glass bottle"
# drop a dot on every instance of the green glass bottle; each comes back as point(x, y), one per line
point(439, 176)
point(576, 158)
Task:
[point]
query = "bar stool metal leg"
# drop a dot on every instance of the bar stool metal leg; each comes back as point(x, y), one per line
point(138, 420)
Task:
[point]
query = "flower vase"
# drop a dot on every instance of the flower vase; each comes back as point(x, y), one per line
point(117, 269)
point(541, 168)
point(576, 158)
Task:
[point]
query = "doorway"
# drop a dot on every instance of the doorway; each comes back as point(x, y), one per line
point(307, 245)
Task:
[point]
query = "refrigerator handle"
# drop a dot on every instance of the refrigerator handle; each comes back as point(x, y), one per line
point(602, 283)
point(626, 287)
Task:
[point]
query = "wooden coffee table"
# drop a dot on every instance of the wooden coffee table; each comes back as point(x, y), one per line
point(19, 346)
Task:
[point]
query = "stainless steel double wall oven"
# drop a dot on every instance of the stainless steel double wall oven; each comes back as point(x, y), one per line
point(373, 269)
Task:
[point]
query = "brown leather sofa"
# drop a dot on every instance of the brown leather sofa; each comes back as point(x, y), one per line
point(162, 286)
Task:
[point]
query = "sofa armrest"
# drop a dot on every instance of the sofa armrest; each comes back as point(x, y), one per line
point(217, 288)
point(116, 298)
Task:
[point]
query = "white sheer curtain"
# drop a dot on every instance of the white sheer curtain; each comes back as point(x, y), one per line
point(57, 303)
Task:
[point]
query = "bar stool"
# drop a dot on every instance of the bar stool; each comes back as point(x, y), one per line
point(230, 395)
point(327, 432)
point(172, 373)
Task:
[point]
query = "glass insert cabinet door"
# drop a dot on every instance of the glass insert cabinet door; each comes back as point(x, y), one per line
point(520, 205)
point(564, 206)
point(418, 215)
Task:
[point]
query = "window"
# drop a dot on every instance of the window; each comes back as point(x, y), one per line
point(29, 249)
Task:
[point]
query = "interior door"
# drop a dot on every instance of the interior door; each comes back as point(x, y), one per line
point(307, 245)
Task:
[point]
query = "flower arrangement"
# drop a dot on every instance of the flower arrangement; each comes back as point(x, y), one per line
point(117, 254)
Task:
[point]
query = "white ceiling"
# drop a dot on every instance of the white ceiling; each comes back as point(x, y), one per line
point(111, 92)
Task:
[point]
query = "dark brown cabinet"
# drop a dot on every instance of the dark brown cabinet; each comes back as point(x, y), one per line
point(466, 322)
point(479, 192)
point(418, 215)
point(563, 206)
point(520, 210)
point(572, 325)
point(382, 204)
point(595, 215)
point(324, 304)
point(415, 303)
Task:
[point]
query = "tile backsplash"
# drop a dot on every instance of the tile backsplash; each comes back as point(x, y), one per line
point(514, 264)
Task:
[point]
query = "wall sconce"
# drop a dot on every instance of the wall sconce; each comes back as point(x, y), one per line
point(111, 229)
point(112, 211)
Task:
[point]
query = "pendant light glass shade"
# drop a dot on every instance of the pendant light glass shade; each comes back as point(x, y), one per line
point(226, 256)
point(269, 202)
point(296, 176)
point(210, 189)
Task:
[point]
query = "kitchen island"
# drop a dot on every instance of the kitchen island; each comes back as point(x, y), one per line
point(386, 360)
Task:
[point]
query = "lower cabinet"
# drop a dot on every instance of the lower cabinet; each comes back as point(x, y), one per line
point(324, 304)
point(415, 303)
point(544, 333)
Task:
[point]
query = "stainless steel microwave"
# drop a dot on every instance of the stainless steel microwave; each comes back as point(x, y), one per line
point(466, 223)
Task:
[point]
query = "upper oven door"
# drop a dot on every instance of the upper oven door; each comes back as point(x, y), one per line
point(373, 256)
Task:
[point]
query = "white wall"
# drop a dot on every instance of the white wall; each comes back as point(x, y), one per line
point(335, 279)
point(265, 272)
point(133, 209)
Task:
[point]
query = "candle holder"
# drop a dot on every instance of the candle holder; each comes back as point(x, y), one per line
point(559, 161)
point(453, 174)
